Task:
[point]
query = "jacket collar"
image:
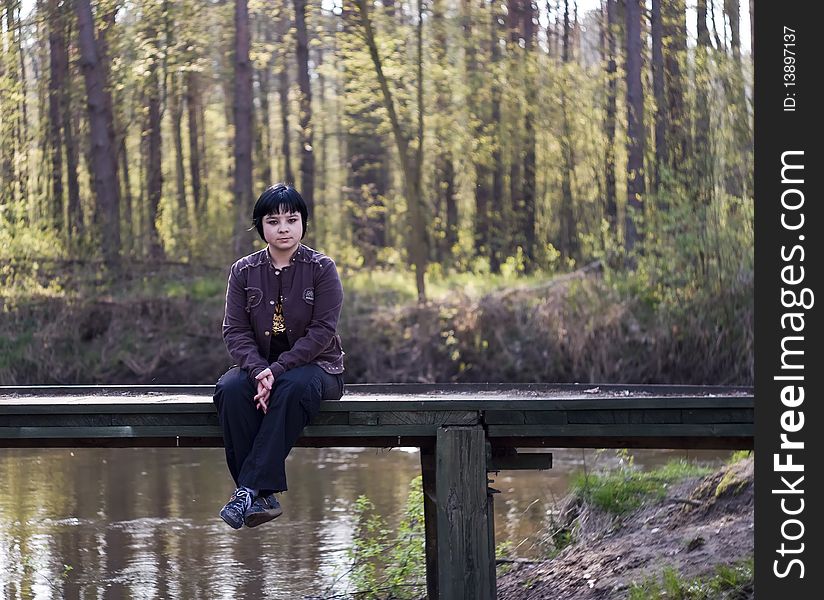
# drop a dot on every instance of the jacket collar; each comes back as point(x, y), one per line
point(303, 254)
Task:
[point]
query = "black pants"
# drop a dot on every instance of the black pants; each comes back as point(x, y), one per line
point(256, 444)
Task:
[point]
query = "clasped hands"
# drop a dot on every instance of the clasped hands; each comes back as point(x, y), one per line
point(265, 381)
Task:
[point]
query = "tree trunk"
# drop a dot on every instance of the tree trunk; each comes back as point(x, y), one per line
point(101, 133)
point(475, 109)
point(510, 228)
point(661, 156)
point(495, 216)
point(530, 142)
point(154, 174)
point(307, 152)
point(569, 234)
point(738, 176)
point(264, 79)
point(10, 124)
point(128, 203)
point(176, 107)
point(192, 102)
point(703, 164)
point(243, 129)
point(283, 91)
point(674, 33)
point(411, 159)
point(611, 203)
point(58, 70)
point(446, 208)
point(635, 127)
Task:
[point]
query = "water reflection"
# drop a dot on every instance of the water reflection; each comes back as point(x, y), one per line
point(142, 523)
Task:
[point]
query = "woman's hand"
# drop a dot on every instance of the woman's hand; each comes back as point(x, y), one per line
point(265, 381)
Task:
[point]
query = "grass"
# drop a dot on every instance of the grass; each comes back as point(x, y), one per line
point(622, 491)
point(729, 582)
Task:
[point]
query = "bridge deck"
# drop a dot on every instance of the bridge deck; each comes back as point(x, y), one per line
point(526, 415)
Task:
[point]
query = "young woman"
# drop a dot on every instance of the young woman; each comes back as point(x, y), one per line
point(280, 327)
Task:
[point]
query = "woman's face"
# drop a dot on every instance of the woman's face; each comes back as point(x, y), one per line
point(282, 230)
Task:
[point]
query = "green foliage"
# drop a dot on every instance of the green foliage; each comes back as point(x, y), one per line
point(730, 582)
point(386, 564)
point(738, 455)
point(623, 490)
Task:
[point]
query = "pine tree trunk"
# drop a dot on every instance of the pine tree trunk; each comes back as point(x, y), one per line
point(611, 202)
point(101, 132)
point(661, 156)
point(307, 152)
point(674, 33)
point(154, 175)
point(475, 109)
point(411, 158)
point(635, 127)
point(703, 165)
point(569, 234)
point(176, 109)
point(530, 142)
point(264, 85)
point(446, 208)
point(192, 102)
point(495, 243)
point(57, 79)
point(283, 92)
point(243, 129)
point(128, 202)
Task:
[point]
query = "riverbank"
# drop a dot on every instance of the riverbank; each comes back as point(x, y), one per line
point(70, 326)
point(694, 543)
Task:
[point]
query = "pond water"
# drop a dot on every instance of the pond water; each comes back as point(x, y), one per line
point(142, 523)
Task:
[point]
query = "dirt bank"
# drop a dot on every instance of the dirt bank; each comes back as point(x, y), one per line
point(700, 524)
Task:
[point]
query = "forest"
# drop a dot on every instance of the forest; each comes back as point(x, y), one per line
point(512, 190)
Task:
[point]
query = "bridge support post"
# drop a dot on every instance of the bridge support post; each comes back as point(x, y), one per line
point(463, 517)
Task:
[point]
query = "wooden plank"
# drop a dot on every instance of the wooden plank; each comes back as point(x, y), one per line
point(463, 535)
point(504, 417)
point(402, 388)
point(431, 417)
point(711, 415)
point(177, 404)
point(526, 461)
point(549, 417)
point(624, 430)
point(606, 416)
point(430, 518)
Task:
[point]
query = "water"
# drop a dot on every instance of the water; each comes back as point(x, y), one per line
point(142, 523)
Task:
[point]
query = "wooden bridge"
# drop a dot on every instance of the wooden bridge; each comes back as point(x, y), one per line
point(464, 431)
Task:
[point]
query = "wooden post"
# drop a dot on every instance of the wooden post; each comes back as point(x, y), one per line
point(430, 517)
point(463, 534)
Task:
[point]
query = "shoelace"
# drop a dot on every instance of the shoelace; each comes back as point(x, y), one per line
point(243, 495)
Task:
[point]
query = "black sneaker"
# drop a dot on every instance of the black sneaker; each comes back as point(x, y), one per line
point(236, 508)
point(263, 509)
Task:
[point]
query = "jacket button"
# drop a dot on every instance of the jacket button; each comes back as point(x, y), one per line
point(271, 301)
point(265, 333)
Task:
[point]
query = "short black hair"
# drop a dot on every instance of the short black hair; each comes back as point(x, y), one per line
point(279, 198)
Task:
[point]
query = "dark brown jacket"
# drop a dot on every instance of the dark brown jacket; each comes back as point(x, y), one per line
point(312, 300)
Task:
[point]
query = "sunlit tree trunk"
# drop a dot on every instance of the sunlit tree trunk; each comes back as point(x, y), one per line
point(307, 151)
point(57, 79)
point(661, 146)
point(192, 101)
point(101, 132)
point(243, 130)
point(530, 141)
point(176, 108)
point(446, 208)
point(569, 231)
point(496, 231)
point(635, 127)
point(611, 203)
point(410, 155)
